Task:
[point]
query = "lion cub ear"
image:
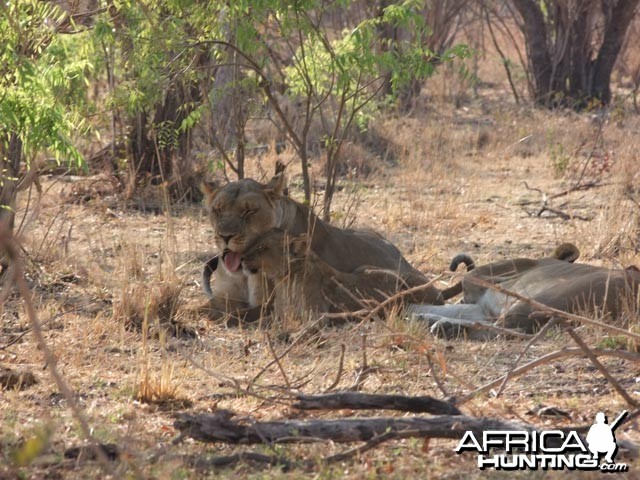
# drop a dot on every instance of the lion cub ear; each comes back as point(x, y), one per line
point(277, 185)
point(209, 189)
point(567, 252)
point(299, 245)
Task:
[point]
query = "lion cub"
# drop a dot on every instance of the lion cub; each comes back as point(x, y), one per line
point(301, 279)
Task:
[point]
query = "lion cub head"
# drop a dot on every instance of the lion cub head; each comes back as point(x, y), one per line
point(242, 212)
point(276, 254)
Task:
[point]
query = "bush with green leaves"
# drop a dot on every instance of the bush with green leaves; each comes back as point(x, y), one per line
point(42, 93)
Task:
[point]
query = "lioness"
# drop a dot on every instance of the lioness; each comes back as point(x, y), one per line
point(553, 281)
point(243, 211)
point(303, 280)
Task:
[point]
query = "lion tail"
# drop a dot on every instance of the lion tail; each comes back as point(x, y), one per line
point(456, 289)
point(207, 271)
point(462, 258)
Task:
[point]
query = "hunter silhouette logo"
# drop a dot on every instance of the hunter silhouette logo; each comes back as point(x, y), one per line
point(600, 437)
point(546, 449)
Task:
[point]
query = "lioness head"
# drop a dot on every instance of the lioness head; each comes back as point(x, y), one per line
point(241, 212)
point(274, 254)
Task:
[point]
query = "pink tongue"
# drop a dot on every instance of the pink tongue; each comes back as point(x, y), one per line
point(232, 261)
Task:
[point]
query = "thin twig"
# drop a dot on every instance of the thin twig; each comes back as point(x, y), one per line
point(229, 381)
point(565, 352)
point(530, 343)
point(293, 344)
point(597, 138)
point(398, 296)
point(46, 322)
point(589, 354)
point(277, 360)
point(435, 376)
point(336, 382)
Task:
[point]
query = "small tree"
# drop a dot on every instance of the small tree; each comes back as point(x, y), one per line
point(342, 78)
point(572, 47)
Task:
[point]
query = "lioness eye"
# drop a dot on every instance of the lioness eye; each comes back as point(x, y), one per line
point(249, 211)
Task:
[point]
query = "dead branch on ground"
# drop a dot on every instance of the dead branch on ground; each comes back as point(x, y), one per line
point(221, 427)
point(544, 207)
point(204, 464)
point(365, 401)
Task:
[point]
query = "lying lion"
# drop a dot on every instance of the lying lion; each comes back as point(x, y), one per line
point(301, 279)
point(242, 212)
point(554, 281)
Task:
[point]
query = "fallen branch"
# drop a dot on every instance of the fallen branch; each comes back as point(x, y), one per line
point(362, 401)
point(546, 208)
point(220, 427)
point(199, 463)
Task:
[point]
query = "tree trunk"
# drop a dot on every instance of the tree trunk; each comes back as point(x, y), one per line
point(159, 150)
point(10, 160)
point(617, 25)
point(570, 67)
point(388, 41)
point(535, 34)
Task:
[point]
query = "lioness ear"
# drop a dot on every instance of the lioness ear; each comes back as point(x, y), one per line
point(209, 189)
point(299, 245)
point(280, 167)
point(277, 184)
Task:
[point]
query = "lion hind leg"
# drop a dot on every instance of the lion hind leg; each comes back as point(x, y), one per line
point(451, 328)
point(463, 311)
point(525, 318)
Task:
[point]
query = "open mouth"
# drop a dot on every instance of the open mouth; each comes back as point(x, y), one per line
point(232, 260)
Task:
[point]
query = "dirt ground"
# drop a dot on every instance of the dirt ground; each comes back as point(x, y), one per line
point(470, 179)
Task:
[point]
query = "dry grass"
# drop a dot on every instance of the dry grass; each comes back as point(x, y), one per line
point(108, 283)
